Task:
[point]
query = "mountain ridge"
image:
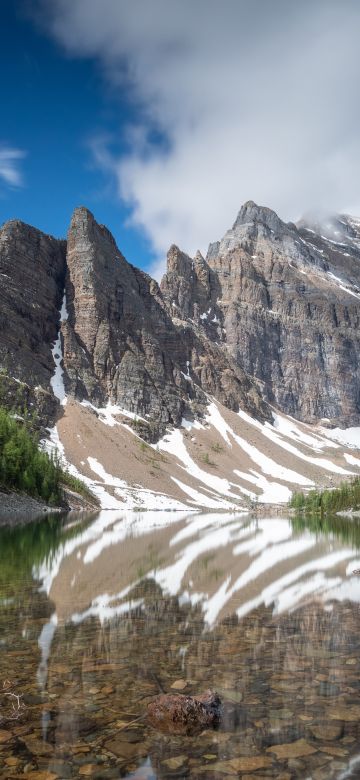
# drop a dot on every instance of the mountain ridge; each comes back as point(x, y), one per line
point(194, 291)
point(266, 323)
point(280, 293)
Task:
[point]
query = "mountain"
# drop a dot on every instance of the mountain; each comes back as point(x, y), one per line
point(284, 301)
point(122, 343)
point(216, 387)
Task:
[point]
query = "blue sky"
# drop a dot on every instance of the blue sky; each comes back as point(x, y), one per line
point(53, 106)
point(164, 116)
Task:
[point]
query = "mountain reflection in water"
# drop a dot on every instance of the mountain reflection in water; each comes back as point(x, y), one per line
point(97, 616)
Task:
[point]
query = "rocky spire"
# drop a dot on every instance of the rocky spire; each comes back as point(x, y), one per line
point(250, 214)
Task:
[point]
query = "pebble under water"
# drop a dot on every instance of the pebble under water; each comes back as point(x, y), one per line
point(99, 614)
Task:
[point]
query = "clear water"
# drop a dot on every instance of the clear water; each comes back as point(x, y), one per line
point(99, 614)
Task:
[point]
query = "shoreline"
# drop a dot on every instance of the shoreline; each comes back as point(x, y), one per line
point(18, 509)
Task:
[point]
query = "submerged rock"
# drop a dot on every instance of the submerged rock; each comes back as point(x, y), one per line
point(179, 714)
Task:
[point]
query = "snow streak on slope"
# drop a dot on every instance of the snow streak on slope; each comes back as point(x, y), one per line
point(57, 380)
point(272, 492)
point(282, 423)
point(348, 437)
point(341, 284)
point(174, 444)
point(142, 497)
point(126, 497)
point(223, 462)
point(107, 414)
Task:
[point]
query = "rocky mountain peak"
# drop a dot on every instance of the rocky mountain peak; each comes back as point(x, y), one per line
point(182, 265)
point(250, 214)
point(272, 291)
point(126, 341)
point(258, 232)
point(253, 225)
point(178, 262)
point(83, 227)
point(187, 285)
point(271, 314)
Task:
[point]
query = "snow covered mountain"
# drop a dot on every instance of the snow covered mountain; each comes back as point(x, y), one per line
point(227, 384)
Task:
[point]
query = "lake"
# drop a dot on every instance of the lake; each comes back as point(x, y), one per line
point(100, 613)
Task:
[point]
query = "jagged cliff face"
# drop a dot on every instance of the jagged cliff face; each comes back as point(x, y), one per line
point(284, 302)
point(32, 272)
point(121, 342)
point(270, 316)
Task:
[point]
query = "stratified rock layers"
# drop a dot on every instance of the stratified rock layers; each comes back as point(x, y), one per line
point(32, 273)
point(271, 316)
point(285, 303)
point(121, 343)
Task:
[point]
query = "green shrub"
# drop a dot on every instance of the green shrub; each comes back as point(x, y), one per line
point(23, 466)
point(216, 447)
point(205, 459)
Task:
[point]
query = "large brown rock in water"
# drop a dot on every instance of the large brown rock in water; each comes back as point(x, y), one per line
point(178, 714)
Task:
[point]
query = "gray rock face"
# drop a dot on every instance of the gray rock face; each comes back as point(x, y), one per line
point(270, 316)
point(122, 341)
point(32, 272)
point(191, 289)
point(288, 302)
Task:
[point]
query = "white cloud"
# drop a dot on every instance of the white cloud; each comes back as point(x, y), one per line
point(10, 171)
point(253, 100)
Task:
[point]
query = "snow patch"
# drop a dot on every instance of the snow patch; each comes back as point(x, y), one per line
point(287, 426)
point(214, 418)
point(348, 437)
point(174, 444)
point(272, 492)
point(201, 500)
point(57, 379)
point(64, 314)
point(132, 497)
point(269, 432)
point(189, 424)
point(351, 460)
point(126, 497)
point(107, 414)
point(340, 283)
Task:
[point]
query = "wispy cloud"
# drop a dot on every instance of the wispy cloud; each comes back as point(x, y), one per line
point(10, 169)
point(251, 100)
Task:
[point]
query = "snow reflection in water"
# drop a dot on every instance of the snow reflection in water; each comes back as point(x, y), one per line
point(226, 563)
point(262, 609)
